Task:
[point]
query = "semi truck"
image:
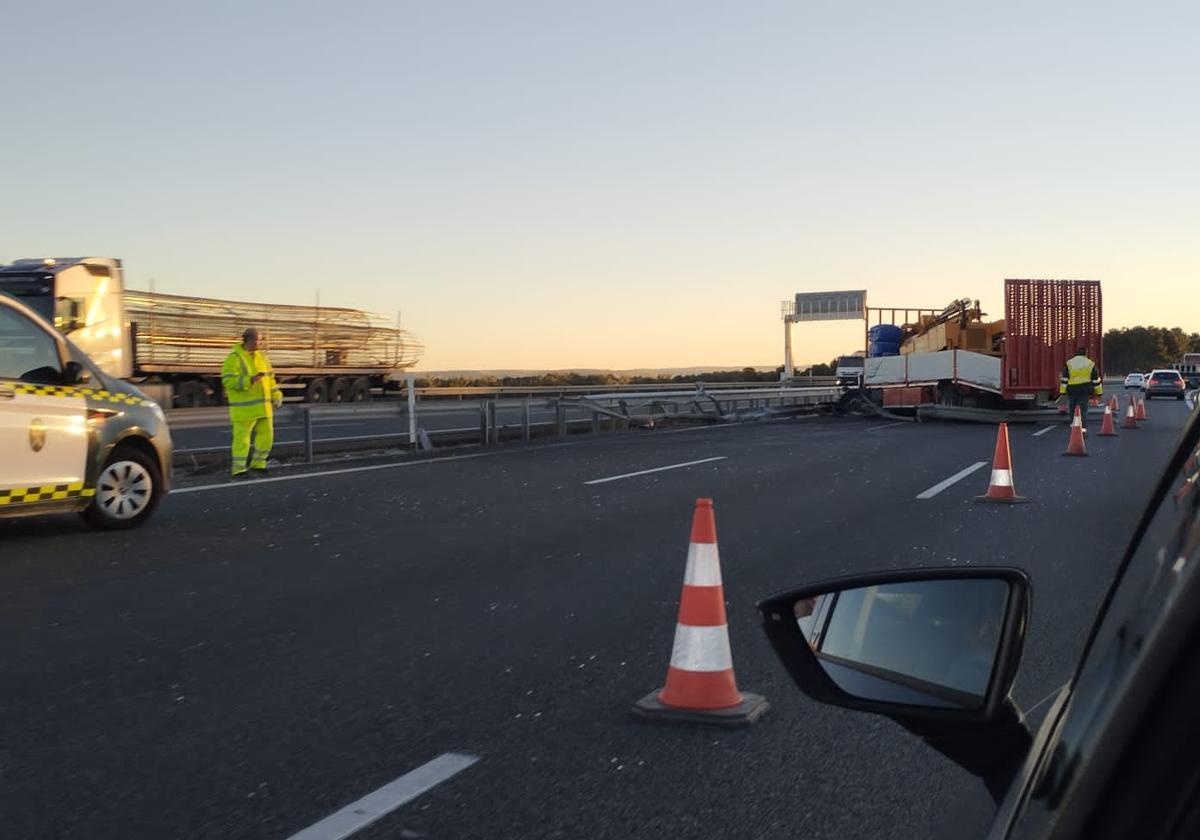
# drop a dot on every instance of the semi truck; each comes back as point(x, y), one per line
point(172, 346)
point(961, 359)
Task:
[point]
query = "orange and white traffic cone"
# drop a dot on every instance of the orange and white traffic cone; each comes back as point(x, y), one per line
point(700, 686)
point(1130, 416)
point(1107, 429)
point(1141, 411)
point(1075, 445)
point(1115, 404)
point(1001, 488)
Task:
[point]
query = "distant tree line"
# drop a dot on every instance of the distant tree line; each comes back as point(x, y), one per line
point(1139, 349)
point(560, 379)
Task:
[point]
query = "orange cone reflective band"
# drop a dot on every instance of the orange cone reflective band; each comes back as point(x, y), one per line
point(700, 686)
point(1075, 446)
point(1115, 404)
point(1107, 429)
point(1130, 417)
point(1141, 411)
point(701, 671)
point(1001, 488)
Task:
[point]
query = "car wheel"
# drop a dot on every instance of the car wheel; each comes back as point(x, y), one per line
point(128, 490)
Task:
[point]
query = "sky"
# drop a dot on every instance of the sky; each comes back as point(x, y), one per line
point(610, 184)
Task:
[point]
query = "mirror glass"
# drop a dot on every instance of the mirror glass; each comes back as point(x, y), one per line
point(921, 643)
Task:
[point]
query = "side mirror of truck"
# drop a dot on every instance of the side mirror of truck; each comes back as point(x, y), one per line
point(936, 650)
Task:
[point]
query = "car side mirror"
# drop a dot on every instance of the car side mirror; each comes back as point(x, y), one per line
point(937, 650)
point(75, 374)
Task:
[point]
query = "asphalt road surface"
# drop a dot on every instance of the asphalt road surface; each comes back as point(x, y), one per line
point(434, 417)
point(262, 655)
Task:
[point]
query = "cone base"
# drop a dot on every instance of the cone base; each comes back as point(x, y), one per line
point(1107, 434)
point(651, 710)
point(1001, 500)
point(1075, 454)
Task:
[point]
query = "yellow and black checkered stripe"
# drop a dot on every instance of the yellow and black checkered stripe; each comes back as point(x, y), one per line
point(46, 493)
point(87, 393)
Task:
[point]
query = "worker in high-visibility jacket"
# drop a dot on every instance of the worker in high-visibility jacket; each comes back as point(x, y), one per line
point(1080, 382)
point(253, 396)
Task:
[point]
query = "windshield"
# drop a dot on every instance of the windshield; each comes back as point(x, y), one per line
point(34, 290)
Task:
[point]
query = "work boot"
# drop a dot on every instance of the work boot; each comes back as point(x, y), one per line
point(260, 472)
point(242, 476)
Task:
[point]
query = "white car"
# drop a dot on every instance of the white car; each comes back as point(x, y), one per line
point(1134, 380)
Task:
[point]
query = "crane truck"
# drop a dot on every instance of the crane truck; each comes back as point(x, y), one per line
point(172, 346)
point(957, 358)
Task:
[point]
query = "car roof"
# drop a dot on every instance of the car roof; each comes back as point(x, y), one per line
point(1163, 370)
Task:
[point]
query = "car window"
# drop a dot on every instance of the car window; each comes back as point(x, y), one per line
point(27, 352)
point(1157, 566)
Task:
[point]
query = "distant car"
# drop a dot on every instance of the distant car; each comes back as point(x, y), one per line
point(1165, 383)
point(75, 440)
point(1134, 380)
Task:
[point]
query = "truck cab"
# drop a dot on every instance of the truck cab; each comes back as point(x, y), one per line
point(849, 371)
point(83, 298)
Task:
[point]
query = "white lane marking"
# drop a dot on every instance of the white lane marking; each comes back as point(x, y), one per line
point(380, 803)
point(1044, 431)
point(322, 473)
point(951, 481)
point(886, 426)
point(655, 470)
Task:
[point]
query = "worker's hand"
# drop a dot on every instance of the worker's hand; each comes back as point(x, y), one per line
point(255, 378)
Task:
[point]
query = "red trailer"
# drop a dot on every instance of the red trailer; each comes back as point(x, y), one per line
point(1045, 321)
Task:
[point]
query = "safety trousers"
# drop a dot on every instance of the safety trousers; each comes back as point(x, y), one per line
point(260, 430)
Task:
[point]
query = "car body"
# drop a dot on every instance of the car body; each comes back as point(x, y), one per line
point(74, 438)
point(1165, 383)
point(1134, 380)
point(1116, 754)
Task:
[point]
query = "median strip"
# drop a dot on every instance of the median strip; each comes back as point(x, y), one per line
point(951, 481)
point(655, 470)
point(380, 803)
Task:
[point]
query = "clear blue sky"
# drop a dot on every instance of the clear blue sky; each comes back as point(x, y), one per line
point(610, 184)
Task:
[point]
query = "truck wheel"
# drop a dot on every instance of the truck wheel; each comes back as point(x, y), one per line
point(340, 392)
point(317, 391)
point(191, 394)
point(360, 391)
point(127, 492)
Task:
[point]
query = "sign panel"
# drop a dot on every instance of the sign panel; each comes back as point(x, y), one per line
point(831, 306)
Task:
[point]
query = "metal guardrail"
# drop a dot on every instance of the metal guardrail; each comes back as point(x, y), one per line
point(627, 409)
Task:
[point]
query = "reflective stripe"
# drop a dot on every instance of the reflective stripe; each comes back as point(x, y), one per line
point(1002, 478)
point(701, 648)
point(46, 493)
point(1080, 370)
point(247, 402)
point(703, 565)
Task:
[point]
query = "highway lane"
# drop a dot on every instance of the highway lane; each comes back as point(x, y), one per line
point(260, 656)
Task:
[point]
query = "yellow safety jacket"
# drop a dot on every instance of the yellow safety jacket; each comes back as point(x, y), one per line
point(1079, 373)
point(249, 400)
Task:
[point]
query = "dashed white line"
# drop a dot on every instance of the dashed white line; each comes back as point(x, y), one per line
point(1044, 431)
point(380, 803)
point(951, 481)
point(655, 470)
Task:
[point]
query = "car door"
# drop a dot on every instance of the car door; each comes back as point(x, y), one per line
point(1122, 754)
point(43, 424)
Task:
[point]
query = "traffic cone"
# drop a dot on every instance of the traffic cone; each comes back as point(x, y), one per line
point(1062, 406)
point(1075, 445)
point(1141, 411)
point(1001, 488)
point(1115, 404)
point(1130, 416)
point(701, 687)
point(1107, 429)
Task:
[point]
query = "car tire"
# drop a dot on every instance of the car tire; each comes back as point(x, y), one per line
point(128, 490)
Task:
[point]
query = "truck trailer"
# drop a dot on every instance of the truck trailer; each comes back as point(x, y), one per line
point(1011, 364)
point(172, 346)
